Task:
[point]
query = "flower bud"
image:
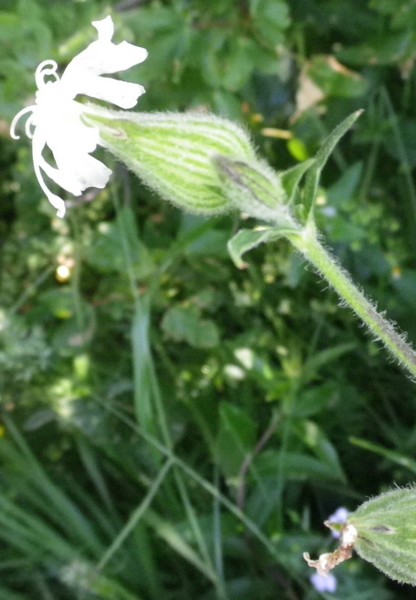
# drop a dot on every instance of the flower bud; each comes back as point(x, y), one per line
point(172, 153)
point(386, 533)
point(255, 189)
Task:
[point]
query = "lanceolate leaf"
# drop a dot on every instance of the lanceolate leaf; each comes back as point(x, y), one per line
point(247, 239)
point(291, 178)
point(313, 176)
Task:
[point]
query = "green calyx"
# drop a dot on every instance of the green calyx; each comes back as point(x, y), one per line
point(254, 188)
point(386, 528)
point(381, 531)
point(173, 153)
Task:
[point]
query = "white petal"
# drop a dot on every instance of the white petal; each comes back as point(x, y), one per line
point(75, 169)
point(121, 93)
point(118, 57)
point(66, 131)
point(99, 58)
point(71, 143)
point(16, 119)
point(38, 144)
point(76, 173)
point(102, 58)
point(105, 28)
point(57, 203)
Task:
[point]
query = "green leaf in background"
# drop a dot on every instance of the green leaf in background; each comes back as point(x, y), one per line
point(270, 19)
point(25, 41)
point(334, 79)
point(296, 466)
point(185, 324)
point(314, 400)
point(116, 243)
point(391, 455)
point(399, 141)
point(59, 303)
point(235, 441)
point(313, 364)
point(391, 49)
point(231, 64)
point(346, 186)
point(314, 438)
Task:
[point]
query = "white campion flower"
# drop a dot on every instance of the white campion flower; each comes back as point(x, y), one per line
point(56, 120)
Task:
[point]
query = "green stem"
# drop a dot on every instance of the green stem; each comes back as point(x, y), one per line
point(308, 244)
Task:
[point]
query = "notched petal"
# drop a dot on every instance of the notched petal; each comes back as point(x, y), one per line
point(121, 93)
point(105, 28)
point(78, 173)
point(100, 58)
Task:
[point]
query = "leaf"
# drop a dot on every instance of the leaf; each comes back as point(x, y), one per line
point(184, 324)
point(334, 79)
point(38, 419)
point(231, 63)
point(247, 239)
point(118, 246)
point(320, 359)
point(314, 174)
point(291, 178)
point(210, 243)
point(58, 302)
point(391, 455)
point(235, 440)
point(171, 535)
point(144, 379)
point(315, 439)
point(270, 19)
point(388, 48)
point(295, 466)
point(314, 400)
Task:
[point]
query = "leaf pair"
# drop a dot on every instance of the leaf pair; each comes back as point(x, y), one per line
point(299, 201)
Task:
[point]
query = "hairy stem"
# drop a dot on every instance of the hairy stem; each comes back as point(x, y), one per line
point(308, 244)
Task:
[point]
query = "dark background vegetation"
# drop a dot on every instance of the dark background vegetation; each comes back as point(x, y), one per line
point(172, 427)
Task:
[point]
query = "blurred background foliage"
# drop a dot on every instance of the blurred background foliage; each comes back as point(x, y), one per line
point(173, 427)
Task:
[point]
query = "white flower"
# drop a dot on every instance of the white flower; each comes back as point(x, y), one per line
point(56, 120)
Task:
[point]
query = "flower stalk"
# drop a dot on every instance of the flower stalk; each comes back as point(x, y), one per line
point(313, 250)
